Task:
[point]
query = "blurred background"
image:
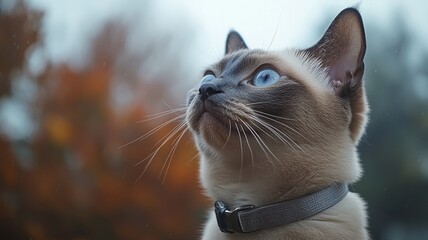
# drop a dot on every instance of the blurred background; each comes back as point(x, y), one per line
point(78, 77)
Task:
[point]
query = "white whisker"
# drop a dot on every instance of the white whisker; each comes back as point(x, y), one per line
point(242, 152)
point(193, 158)
point(154, 130)
point(249, 146)
point(172, 152)
point(258, 103)
point(172, 131)
point(274, 130)
point(281, 132)
point(275, 116)
point(259, 140)
point(228, 135)
point(141, 161)
point(266, 146)
point(169, 136)
point(161, 114)
point(285, 125)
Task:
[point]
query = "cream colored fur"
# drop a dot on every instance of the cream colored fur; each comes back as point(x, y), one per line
point(321, 149)
point(267, 182)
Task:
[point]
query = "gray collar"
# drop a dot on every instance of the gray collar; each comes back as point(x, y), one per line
point(249, 218)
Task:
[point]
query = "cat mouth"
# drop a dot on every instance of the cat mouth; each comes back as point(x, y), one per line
point(212, 118)
point(215, 120)
point(209, 116)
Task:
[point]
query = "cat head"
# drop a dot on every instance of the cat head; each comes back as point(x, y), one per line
point(284, 103)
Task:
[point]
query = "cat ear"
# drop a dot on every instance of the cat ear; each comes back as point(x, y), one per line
point(234, 42)
point(341, 50)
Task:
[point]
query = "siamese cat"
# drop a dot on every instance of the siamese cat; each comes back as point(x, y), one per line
point(276, 126)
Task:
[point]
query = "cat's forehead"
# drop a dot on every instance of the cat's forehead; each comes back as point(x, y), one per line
point(245, 60)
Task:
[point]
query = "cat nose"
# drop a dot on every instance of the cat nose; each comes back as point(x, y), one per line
point(207, 90)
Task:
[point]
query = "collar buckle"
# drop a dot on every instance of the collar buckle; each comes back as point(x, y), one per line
point(248, 218)
point(228, 220)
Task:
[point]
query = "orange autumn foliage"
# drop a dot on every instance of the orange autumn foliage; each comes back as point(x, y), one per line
point(71, 179)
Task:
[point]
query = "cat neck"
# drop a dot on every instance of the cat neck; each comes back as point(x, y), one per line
point(259, 181)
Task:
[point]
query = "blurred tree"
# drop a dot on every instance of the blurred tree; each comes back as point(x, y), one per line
point(78, 183)
point(394, 150)
point(19, 29)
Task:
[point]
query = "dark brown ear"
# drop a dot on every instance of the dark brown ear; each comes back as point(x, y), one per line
point(234, 42)
point(341, 50)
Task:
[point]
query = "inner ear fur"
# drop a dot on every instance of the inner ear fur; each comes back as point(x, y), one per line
point(342, 48)
point(234, 42)
point(341, 51)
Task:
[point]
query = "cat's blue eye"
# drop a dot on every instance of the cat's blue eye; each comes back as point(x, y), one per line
point(207, 79)
point(266, 77)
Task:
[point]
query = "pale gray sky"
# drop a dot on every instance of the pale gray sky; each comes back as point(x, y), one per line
point(69, 23)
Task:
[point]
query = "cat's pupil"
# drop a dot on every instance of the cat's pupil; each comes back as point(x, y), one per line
point(266, 76)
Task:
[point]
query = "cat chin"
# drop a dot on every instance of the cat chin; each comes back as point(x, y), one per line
point(212, 130)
